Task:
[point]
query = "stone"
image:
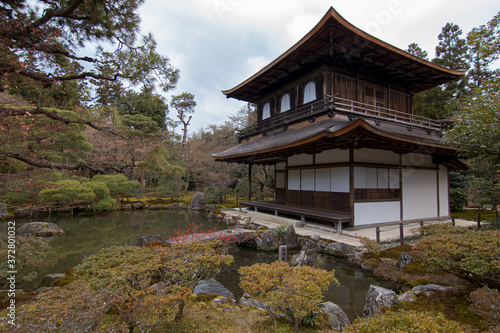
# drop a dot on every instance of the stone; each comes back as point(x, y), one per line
point(354, 258)
point(212, 287)
point(210, 208)
point(159, 288)
point(306, 257)
point(336, 316)
point(367, 266)
point(378, 297)
point(26, 212)
point(126, 207)
point(198, 202)
point(307, 243)
point(248, 300)
point(339, 249)
point(40, 229)
point(223, 300)
point(290, 238)
point(315, 237)
point(267, 241)
point(404, 259)
point(145, 240)
point(51, 278)
point(428, 289)
point(388, 261)
point(155, 207)
point(3, 211)
point(137, 205)
point(406, 297)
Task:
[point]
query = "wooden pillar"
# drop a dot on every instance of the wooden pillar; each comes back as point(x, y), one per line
point(249, 182)
point(351, 185)
point(401, 213)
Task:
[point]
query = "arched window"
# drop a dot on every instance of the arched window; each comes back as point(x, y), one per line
point(285, 102)
point(266, 111)
point(309, 92)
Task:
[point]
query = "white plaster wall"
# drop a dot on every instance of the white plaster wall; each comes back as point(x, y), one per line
point(376, 156)
point(300, 159)
point(294, 180)
point(444, 203)
point(419, 194)
point(323, 180)
point(340, 180)
point(394, 178)
point(307, 180)
point(376, 212)
point(332, 156)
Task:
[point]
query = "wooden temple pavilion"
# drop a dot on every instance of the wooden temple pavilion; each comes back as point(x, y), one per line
point(335, 118)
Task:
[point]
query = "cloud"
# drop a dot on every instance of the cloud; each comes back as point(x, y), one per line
point(217, 44)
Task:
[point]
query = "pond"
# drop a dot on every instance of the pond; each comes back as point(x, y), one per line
point(86, 234)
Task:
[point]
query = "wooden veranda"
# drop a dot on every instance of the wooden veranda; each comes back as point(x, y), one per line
point(279, 208)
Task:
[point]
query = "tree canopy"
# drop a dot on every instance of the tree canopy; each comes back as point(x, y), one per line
point(48, 42)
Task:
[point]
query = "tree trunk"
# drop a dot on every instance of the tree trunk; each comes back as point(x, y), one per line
point(494, 205)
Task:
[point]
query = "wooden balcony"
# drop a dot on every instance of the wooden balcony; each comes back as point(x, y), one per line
point(333, 105)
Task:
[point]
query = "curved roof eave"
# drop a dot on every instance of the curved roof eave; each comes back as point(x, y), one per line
point(332, 13)
point(358, 124)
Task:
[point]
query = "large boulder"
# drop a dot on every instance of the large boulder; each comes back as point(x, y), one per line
point(306, 257)
point(137, 205)
point(212, 287)
point(340, 249)
point(378, 297)
point(267, 241)
point(428, 289)
point(40, 229)
point(198, 202)
point(336, 316)
point(407, 297)
point(148, 239)
point(290, 238)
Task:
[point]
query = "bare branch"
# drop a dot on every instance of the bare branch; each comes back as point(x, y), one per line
point(62, 166)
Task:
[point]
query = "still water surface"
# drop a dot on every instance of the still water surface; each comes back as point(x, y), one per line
point(85, 235)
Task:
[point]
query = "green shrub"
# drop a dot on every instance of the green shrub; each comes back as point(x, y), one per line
point(213, 194)
point(67, 191)
point(404, 322)
point(112, 267)
point(371, 246)
point(473, 254)
point(118, 185)
point(94, 193)
point(293, 291)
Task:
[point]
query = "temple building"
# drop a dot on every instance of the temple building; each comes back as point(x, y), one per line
point(335, 118)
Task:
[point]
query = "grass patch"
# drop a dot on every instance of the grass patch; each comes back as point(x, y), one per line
point(469, 214)
point(394, 252)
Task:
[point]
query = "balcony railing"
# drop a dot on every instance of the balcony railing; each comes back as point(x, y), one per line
point(334, 105)
point(349, 107)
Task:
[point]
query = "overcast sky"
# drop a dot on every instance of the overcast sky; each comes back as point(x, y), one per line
point(217, 44)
